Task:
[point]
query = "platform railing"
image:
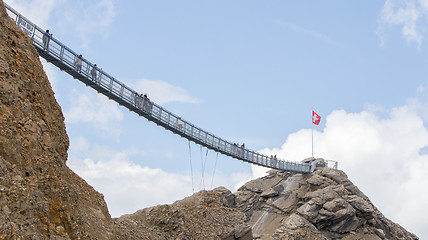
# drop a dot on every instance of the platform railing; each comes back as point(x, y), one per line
point(66, 59)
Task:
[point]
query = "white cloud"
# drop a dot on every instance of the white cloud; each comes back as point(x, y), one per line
point(381, 155)
point(411, 16)
point(85, 18)
point(89, 107)
point(89, 18)
point(31, 9)
point(162, 92)
point(127, 186)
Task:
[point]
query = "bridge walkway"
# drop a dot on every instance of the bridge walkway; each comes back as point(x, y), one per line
point(65, 59)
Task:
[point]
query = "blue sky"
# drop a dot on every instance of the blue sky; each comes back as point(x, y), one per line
point(250, 72)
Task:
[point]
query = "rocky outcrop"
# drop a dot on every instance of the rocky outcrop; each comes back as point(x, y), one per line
point(321, 205)
point(41, 198)
point(205, 215)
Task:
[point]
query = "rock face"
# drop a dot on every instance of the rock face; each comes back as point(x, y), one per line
point(205, 215)
point(41, 198)
point(321, 205)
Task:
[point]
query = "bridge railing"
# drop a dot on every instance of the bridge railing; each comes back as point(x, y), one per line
point(56, 52)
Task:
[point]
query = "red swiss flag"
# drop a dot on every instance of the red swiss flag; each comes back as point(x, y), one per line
point(316, 118)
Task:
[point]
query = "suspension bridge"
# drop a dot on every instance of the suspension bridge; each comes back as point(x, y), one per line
point(55, 52)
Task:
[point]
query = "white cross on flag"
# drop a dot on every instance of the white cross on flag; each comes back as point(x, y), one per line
point(316, 118)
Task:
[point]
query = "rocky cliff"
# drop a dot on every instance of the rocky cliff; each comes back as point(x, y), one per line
point(41, 198)
point(321, 205)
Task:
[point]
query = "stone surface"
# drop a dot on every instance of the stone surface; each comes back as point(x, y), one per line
point(200, 216)
point(40, 196)
point(321, 205)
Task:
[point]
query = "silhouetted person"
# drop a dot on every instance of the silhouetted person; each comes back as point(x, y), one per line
point(94, 72)
point(179, 123)
point(139, 100)
point(46, 38)
point(79, 63)
point(147, 105)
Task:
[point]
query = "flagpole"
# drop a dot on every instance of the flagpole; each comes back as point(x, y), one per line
point(315, 120)
point(312, 132)
point(312, 141)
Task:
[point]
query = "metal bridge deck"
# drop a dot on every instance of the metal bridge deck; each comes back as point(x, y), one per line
point(65, 59)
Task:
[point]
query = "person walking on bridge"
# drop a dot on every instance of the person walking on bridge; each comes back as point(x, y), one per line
point(46, 38)
point(94, 73)
point(180, 123)
point(78, 63)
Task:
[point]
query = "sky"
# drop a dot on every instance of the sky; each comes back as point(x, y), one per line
point(250, 72)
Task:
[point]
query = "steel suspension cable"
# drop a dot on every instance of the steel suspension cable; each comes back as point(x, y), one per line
point(63, 57)
point(215, 165)
point(191, 167)
point(204, 164)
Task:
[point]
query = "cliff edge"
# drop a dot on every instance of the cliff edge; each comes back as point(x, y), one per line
point(40, 196)
point(317, 206)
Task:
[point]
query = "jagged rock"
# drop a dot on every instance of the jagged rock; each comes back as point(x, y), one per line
point(297, 227)
point(200, 216)
point(309, 210)
point(241, 232)
point(360, 204)
point(269, 193)
point(286, 203)
point(227, 197)
point(40, 196)
point(319, 180)
point(265, 221)
point(261, 184)
point(321, 205)
point(380, 233)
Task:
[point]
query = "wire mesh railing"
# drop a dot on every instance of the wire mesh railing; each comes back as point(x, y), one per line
point(77, 66)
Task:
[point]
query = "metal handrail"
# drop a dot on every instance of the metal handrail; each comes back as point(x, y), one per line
point(65, 58)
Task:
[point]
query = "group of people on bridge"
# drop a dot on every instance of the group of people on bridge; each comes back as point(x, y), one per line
point(78, 61)
point(238, 150)
point(143, 103)
point(83, 70)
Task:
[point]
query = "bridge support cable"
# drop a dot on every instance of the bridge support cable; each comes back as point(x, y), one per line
point(202, 169)
point(65, 59)
point(191, 167)
point(203, 165)
point(215, 165)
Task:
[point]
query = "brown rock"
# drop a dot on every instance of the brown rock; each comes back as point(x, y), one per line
point(321, 205)
point(200, 216)
point(269, 193)
point(319, 180)
point(262, 184)
point(286, 203)
point(41, 197)
point(297, 227)
point(360, 204)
